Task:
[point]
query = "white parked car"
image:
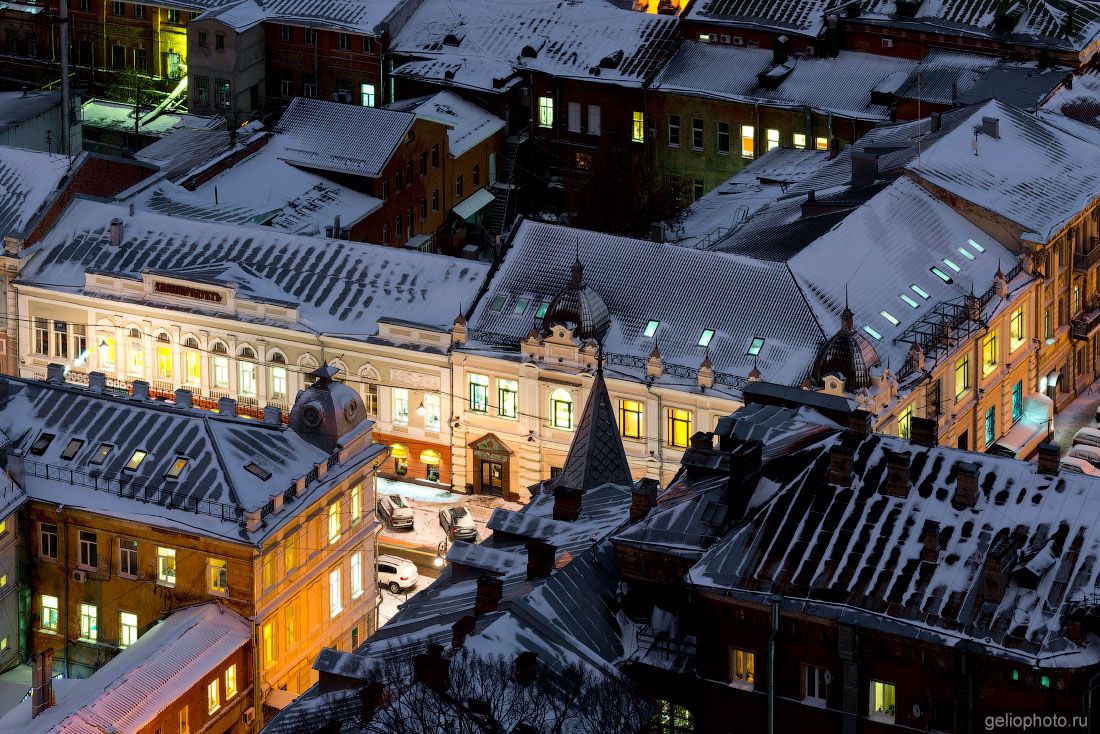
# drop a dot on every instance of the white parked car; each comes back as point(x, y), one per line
point(396, 573)
point(1074, 465)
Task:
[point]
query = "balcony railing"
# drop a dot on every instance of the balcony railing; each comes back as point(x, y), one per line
point(1085, 325)
point(1085, 260)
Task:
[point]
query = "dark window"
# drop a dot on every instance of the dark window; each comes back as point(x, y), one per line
point(128, 557)
point(118, 8)
point(89, 549)
point(47, 540)
point(173, 16)
point(202, 39)
point(71, 449)
point(219, 42)
point(458, 187)
point(477, 176)
point(311, 36)
point(674, 131)
point(139, 12)
point(368, 44)
point(435, 200)
point(118, 57)
point(423, 164)
point(344, 41)
point(85, 5)
point(253, 468)
point(423, 207)
point(139, 59)
point(287, 33)
point(86, 53)
point(41, 444)
point(409, 173)
point(202, 91)
point(397, 181)
point(435, 157)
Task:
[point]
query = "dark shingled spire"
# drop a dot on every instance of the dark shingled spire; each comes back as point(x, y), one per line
point(596, 456)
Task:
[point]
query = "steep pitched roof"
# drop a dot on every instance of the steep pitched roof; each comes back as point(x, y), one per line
point(596, 456)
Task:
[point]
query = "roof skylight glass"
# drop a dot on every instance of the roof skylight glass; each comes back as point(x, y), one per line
point(941, 275)
point(952, 265)
point(756, 346)
point(521, 305)
point(975, 245)
point(707, 335)
point(497, 304)
point(920, 291)
point(889, 317)
point(966, 253)
point(253, 468)
point(102, 453)
point(71, 449)
point(910, 301)
point(135, 460)
point(873, 333)
point(177, 468)
point(41, 444)
point(651, 329)
point(542, 309)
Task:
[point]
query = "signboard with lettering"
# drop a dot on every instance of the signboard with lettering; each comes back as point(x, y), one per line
point(490, 448)
point(186, 291)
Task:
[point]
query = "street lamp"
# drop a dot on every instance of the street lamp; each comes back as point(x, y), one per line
point(440, 554)
point(421, 410)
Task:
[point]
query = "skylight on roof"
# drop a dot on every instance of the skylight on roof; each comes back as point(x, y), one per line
point(135, 460)
point(941, 275)
point(651, 329)
point(889, 317)
point(41, 444)
point(873, 333)
point(756, 346)
point(952, 265)
point(177, 468)
point(521, 305)
point(102, 453)
point(707, 335)
point(542, 309)
point(910, 301)
point(71, 449)
point(966, 253)
point(920, 291)
point(253, 468)
point(497, 304)
point(975, 245)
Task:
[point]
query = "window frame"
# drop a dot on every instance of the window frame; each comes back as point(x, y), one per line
point(889, 711)
point(742, 669)
point(676, 419)
point(560, 410)
point(631, 412)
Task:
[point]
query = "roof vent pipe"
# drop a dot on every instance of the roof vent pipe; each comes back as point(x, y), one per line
point(116, 232)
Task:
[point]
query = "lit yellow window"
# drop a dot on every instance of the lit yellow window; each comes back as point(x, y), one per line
point(821, 143)
point(630, 418)
point(905, 422)
point(356, 504)
point(1018, 335)
point(185, 720)
point(637, 128)
point(882, 702)
point(546, 112)
point(679, 427)
point(127, 629)
point(742, 668)
point(334, 522)
point(989, 353)
point(193, 368)
point(213, 700)
point(268, 635)
point(164, 361)
point(218, 581)
point(290, 550)
point(107, 353)
point(773, 139)
point(748, 141)
point(962, 376)
point(799, 140)
point(230, 682)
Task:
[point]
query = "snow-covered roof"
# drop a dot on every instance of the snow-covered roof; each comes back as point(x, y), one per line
point(586, 39)
point(120, 117)
point(839, 86)
point(344, 138)
point(353, 16)
point(1080, 100)
point(17, 107)
point(28, 180)
point(338, 287)
point(797, 17)
point(1034, 173)
point(467, 124)
point(858, 553)
point(183, 148)
point(128, 693)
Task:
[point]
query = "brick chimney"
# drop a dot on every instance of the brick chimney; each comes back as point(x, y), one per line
point(966, 485)
point(370, 699)
point(183, 398)
point(1049, 455)
point(432, 669)
point(1075, 630)
point(540, 559)
point(999, 560)
point(41, 682)
point(462, 629)
point(930, 542)
point(567, 503)
point(490, 589)
point(227, 406)
point(55, 373)
point(859, 422)
point(643, 498)
point(896, 483)
point(840, 464)
point(924, 432)
point(526, 668)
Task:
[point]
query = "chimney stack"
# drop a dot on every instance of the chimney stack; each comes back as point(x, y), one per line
point(370, 699)
point(834, 148)
point(526, 668)
point(1049, 455)
point(55, 373)
point(567, 503)
point(896, 483)
point(991, 126)
point(999, 560)
point(432, 669)
point(935, 122)
point(462, 629)
point(859, 422)
point(41, 682)
point(116, 232)
point(97, 382)
point(276, 503)
point(779, 50)
point(924, 432)
point(540, 559)
point(183, 398)
point(966, 485)
point(490, 589)
point(227, 406)
point(643, 498)
point(840, 464)
point(864, 169)
point(930, 540)
point(139, 390)
point(252, 520)
point(273, 415)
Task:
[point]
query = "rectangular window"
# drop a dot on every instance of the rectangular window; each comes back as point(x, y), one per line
point(435, 157)
point(221, 372)
point(286, 32)
point(990, 425)
point(574, 117)
point(268, 642)
point(127, 629)
point(507, 398)
point(344, 41)
point(80, 342)
point(47, 540)
point(742, 669)
point(594, 119)
point(49, 613)
point(217, 575)
point(118, 8)
point(89, 549)
point(89, 622)
point(135, 460)
point(203, 43)
point(431, 411)
point(477, 176)
point(697, 189)
point(458, 187)
point(773, 139)
point(356, 575)
point(400, 406)
point(674, 131)
point(310, 36)
point(185, 720)
point(479, 394)
point(962, 376)
point(173, 16)
point(905, 423)
point(219, 41)
point(213, 700)
point(1018, 401)
point(221, 93)
point(679, 427)
point(166, 566)
point(278, 382)
point(813, 685)
point(335, 594)
point(723, 141)
point(128, 558)
point(748, 141)
point(630, 418)
point(290, 550)
point(546, 112)
point(334, 522)
point(561, 410)
point(1017, 334)
point(41, 336)
point(230, 682)
point(291, 617)
point(799, 141)
point(637, 127)
point(821, 143)
point(356, 504)
point(696, 134)
point(366, 95)
point(192, 367)
point(989, 353)
point(882, 701)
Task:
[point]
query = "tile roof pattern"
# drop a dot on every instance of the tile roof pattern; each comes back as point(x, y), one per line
point(16, 107)
point(1034, 174)
point(839, 86)
point(468, 124)
point(843, 551)
point(596, 456)
point(146, 679)
point(345, 138)
point(801, 17)
point(338, 287)
point(582, 39)
point(28, 181)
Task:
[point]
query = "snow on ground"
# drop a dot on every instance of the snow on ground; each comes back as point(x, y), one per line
point(391, 601)
point(1081, 412)
point(426, 532)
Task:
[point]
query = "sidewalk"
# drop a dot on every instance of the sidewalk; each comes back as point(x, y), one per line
point(1078, 414)
point(427, 534)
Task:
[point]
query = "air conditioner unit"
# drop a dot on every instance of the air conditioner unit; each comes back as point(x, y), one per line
point(725, 39)
point(738, 41)
point(80, 576)
point(248, 716)
point(524, 91)
point(887, 43)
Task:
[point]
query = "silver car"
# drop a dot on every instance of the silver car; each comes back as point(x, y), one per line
point(394, 512)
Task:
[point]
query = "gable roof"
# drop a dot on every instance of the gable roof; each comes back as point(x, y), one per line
point(798, 17)
point(596, 456)
point(467, 124)
point(29, 181)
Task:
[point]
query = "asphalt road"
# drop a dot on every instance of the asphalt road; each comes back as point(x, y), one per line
point(423, 559)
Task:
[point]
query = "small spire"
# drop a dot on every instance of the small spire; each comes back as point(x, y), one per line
point(599, 357)
point(847, 318)
point(576, 279)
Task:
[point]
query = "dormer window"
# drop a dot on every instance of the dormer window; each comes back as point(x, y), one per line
point(41, 444)
point(135, 460)
point(253, 468)
point(651, 329)
point(542, 309)
point(521, 306)
point(756, 346)
point(707, 335)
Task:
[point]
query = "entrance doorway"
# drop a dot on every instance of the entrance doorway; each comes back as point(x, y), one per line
point(491, 465)
point(492, 478)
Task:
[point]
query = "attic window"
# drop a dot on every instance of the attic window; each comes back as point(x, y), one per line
point(521, 306)
point(966, 253)
point(873, 333)
point(920, 291)
point(135, 460)
point(253, 468)
point(952, 265)
point(707, 335)
point(975, 245)
point(41, 444)
point(102, 453)
point(889, 317)
point(651, 328)
point(177, 468)
point(910, 301)
point(219, 348)
point(756, 346)
point(135, 333)
point(71, 449)
point(191, 343)
point(542, 309)
point(941, 275)
point(497, 304)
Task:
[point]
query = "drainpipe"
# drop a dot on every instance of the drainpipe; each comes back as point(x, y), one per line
point(257, 677)
point(64, 556)
point(775, 600)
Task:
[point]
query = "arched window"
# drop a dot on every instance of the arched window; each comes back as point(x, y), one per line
point(247, 353)
point(246, 373)
point(135, 333)
point(191, 343)
point(192, 362)
point(220, 365)
point(135, 351)
point(278, 373)
point(219, 348)
point(163, 337)
point(561, 409)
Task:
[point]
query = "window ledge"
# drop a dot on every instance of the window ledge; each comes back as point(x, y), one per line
point(881, 717)
point(815, 702)
point(742, 686)
point(166, 584)
point(221, 594)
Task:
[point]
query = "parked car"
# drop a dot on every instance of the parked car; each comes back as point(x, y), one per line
point(1074, 465)
point(458, 523)
point(394, 512)
point(1087, 436)
point(1091, 454)
point(396, 573)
